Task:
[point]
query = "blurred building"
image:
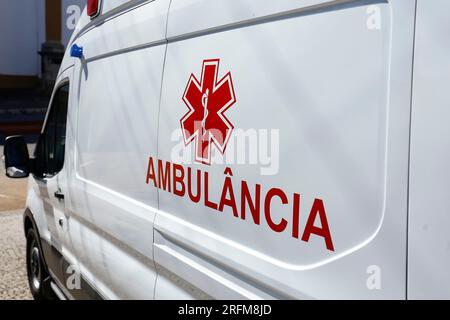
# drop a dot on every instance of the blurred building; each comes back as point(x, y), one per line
point(33, 36)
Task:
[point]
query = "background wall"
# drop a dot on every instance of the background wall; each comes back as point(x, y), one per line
point(22, 30)
point(33, 36)
point(24, 26)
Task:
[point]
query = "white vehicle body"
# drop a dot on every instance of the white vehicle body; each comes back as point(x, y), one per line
point(356, 93)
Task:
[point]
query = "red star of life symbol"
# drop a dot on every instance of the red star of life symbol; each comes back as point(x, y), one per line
point(205, 123)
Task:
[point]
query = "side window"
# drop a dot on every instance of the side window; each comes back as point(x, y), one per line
point(51, 147)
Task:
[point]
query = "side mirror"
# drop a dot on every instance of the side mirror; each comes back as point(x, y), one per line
point(17, 160)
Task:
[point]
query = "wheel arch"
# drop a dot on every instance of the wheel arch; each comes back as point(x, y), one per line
point(30, 223)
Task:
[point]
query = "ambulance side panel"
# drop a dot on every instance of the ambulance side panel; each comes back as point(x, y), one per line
point(429, 201)
point(333, 80)
point(111, 209)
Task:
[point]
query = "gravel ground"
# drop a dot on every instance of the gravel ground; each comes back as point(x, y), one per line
point(13, 274)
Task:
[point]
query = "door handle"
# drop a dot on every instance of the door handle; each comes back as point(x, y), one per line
point(59, 195)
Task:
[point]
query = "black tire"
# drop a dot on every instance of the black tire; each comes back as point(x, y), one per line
point(38, 278)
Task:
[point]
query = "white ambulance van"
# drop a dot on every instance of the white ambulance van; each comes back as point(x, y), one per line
point(244, 149)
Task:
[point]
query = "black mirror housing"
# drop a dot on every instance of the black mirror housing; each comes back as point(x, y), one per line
point(17, 159)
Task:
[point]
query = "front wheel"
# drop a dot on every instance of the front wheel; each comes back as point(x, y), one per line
point(37, 275)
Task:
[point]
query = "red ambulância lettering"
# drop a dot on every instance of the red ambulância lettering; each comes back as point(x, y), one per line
point(251, 203)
